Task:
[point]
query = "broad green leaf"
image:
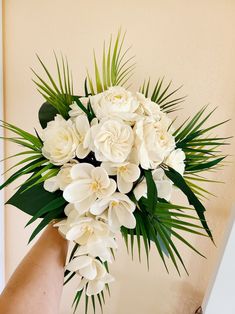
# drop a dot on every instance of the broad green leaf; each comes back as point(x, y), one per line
point(54, 214)
point(47, 113)
point(38, 194)
point(54, 204)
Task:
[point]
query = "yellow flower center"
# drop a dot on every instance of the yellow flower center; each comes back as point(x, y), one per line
point(114, 203)
point(122, 169)
point(95, 186)
point(88, 229)
point(118, 96)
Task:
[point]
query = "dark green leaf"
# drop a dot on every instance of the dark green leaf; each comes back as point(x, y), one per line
point(54, 214)
point(151, 191)
point(47, 113)
point(179, 181)
point(37, 193)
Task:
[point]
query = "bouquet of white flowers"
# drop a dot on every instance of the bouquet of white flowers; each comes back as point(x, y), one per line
point(107, 162)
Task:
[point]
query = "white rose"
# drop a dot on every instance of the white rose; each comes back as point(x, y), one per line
point(88, 184)
point(153, 141)
point(176, 160)
point(163, 184)
point(111, 140)
point(118, 210)
point(92, 274)
point(115, 102)
point(148, 108)
point(59, 141)
point(76, 110)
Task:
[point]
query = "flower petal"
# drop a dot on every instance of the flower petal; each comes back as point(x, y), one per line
point(107, 191)
point(81, 171)
point(113, 220)
point(89, 272)
point(164, 188)
point(99, 174)
point(110, 167)
point(132, 173)
point(77, 191)
point(123, 186)
point(79, 262)
point(99, 206)
point(51, 185)
point(83, 206)
point(140, 190)
point(73, 233)
point(94, 287)
point(126, 218)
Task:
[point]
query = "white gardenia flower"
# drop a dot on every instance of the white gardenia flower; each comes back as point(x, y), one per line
point(163, 184)
point(59, 141)
point(93, 235)
point(147, 107)
point(82, 128)
point(126, 173)
point(76, 110)
point(89, 183)
point(153, 141)
point(117, 209)
point(111, 140)
point(116, 102)
point(61, 180)
point(82, 229)
point(91, 273)
point(99, 247)
point(176, 160)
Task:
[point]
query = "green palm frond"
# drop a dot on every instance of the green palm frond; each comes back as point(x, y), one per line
point(163, 95)
point(34, 162)
point(116, 69)
point(58, 93)
point(202, 150)
point(160, 228)
point(22, 138)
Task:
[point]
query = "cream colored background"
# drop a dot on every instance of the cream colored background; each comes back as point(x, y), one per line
point(191, 42)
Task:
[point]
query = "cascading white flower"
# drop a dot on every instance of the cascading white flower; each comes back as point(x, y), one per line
point(89, 183)
point(59, 141)
point(91, 272)
point(76, 110)
point(163, 184)
point(116, 102)
point(93, 235)
point(111, 140)
point(62, 179)
point(117, 209)
point(82, 128)
point(176, 160)
point(153, 141)
point(82, 229)
point(126, 172)
point(99, 247)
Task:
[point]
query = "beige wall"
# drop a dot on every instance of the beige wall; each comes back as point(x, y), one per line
point(191, 42)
